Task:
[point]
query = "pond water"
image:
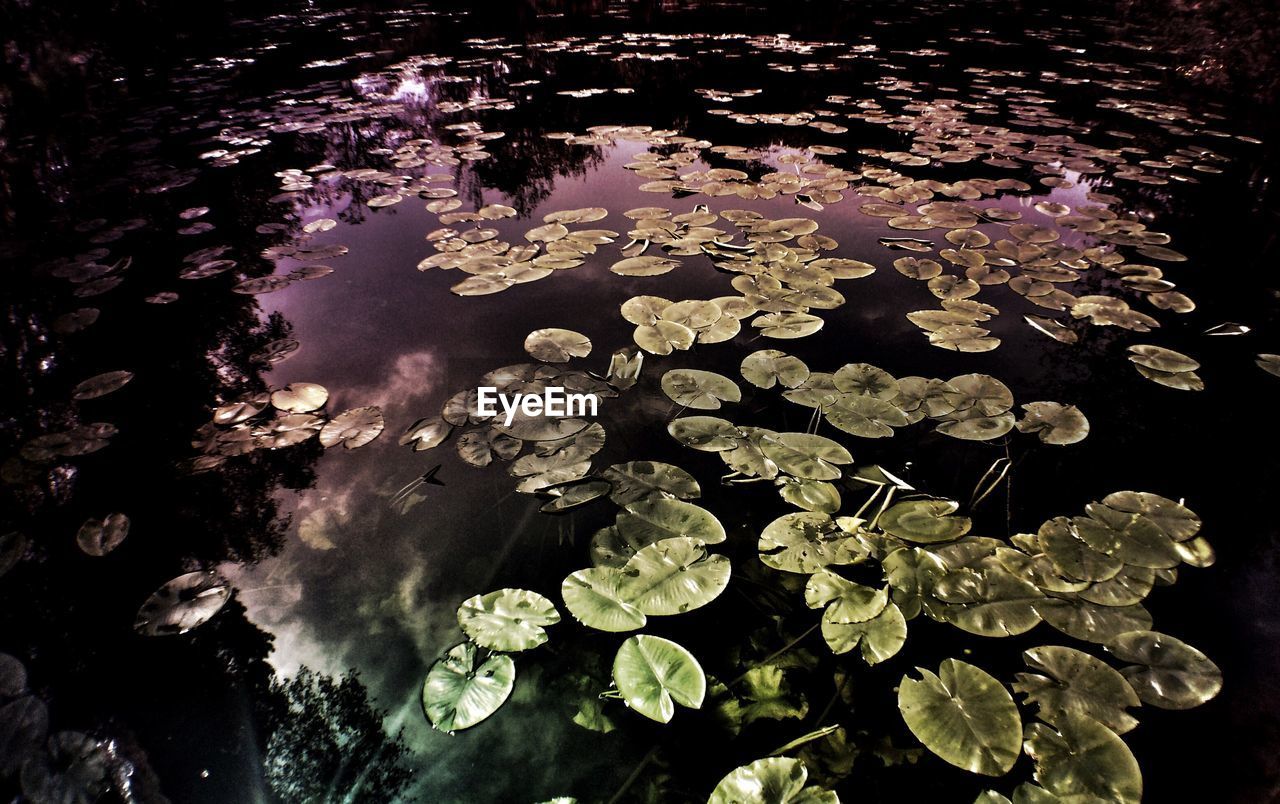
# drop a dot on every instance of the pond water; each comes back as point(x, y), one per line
point(1012, 262)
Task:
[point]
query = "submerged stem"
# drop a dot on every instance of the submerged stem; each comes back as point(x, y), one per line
point(777, 652)
point(635, 774)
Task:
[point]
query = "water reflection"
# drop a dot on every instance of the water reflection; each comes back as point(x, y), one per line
point(263, 702)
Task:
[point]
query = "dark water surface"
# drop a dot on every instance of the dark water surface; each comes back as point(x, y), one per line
point(109, 154)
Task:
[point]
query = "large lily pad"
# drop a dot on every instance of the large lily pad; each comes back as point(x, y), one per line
point(673, 576)
point(639, 480)
point(1072, 681)
point(700, 390)
point(772, 780)
point(594, 597)
point(963, 715)
point(461, 690)
point(183, 603)
point(1080, 760)
point(1166, 672)
point(654, 674)
point(924, 521)
point(806, 542)
point(769, 367)
point(804, 455)
point(555, 345)
point(507, 619)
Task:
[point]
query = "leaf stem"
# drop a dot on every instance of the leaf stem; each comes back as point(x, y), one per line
point(777, 652)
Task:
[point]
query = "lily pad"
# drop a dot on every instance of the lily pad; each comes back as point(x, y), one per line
point(557, 345)
point(1079, 759)
point(639, 480)
point(924, 521)
point(654, 674)
point(1167, 672)
point(769, 367)
point(186, 602)
point(963, 715)
point(353, 428)
point(593, 596)
point(701, 390)
point(673, 576)
point(1072, 681)
point(507, 620)
point(772, 780)
point(99, 537)
point(461, 690)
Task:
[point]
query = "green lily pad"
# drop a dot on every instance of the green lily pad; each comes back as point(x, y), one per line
point(990, 602)
point(805, 542)
point(924, 521)
point(639, 480)
point(700, 390)
point(809, 495)
point(186, 602)
point(769, 367)
point(705, 433)
point(654, 674)
point(1075, 682)
point(555, 345)
point(673, 576)
point(461, 691)
point(1167, 672)
point(648, 521)
point(1054, 423)
point(963, 715)
point(772, 780)
point(879, 638)
point(593, 596)
point(508, 619)
point(1080, 760)
point(807, 456)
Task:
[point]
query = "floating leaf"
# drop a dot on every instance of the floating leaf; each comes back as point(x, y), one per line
point(1054, 423)
point(593, 596)
point(924, 521)
point(1167, 673)
point(507, 620)
point(701, 390)
point(652, 520)
point(183, 603)
point(673, 576)
point(300, 397)
point(1075, 682)
point(964, 716)
point(557, 345)
point(101, 385)
point(353, 428)
point(772, 780)
point(990, 602)
point(706, 433)
point(807, 456)
point(806, 542)
point(663, 337)
point(644, 266)
point(769, 367)
point(461, 691)
point(99, 537)
point(654, 674)
point(879, 638)
point(1078, 759)
point(638, 480)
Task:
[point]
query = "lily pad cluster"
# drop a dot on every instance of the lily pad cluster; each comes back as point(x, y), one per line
point(46, 765)
point(287, 416)
point(475, 678)
point(866, 401)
